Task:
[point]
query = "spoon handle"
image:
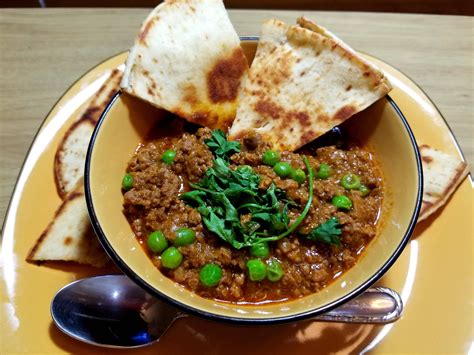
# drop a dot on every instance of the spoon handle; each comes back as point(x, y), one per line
point(378, 305)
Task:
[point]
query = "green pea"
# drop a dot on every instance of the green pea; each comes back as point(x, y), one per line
point(210, 275)
point(184, 236)
point(127, 182)
point(168, 156)
point(350, 181)
point(270, 157)
point(324, 171)
point(342, 202)
point(282, 169)
point(298, 175)
point(257, 269)
point(157, 242)
point(274, 270)
point(171, 258)
point(364, 190)
point(260, 250)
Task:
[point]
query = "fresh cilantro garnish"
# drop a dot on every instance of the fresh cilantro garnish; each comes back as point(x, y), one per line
point(328, 232)
point(224, 195)
point(220, 146)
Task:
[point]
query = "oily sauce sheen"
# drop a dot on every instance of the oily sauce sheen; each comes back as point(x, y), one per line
point(154, 204)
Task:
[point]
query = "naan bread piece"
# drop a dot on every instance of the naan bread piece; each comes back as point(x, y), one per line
point(187, 60)
point(102, 98)
point(442, 174)
point(69, 237)
point(301, 84)
point(71, 154)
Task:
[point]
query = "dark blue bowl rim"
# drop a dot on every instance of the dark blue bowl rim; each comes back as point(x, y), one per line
point(239, 320)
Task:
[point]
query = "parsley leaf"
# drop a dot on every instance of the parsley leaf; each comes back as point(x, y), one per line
point(220, 146)
point(328, 232)
point(224, 195)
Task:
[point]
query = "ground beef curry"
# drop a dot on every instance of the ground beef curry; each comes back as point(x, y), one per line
point(236, 221)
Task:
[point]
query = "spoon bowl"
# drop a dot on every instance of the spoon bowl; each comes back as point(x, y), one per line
point(112, 311)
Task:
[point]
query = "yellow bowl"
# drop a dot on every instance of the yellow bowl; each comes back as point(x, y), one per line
point(127, 121)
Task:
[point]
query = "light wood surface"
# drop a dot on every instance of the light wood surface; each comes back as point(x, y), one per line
point(43, 51)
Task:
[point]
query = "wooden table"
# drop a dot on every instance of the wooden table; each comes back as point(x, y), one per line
point(42, 51)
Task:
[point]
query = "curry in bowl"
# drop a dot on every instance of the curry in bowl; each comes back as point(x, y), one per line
point(236, 221)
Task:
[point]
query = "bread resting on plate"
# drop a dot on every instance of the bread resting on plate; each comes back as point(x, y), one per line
point(442, 174)
point(71, 154)
point(69, 236)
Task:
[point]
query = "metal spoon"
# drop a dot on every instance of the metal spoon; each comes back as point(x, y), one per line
point(112, 311)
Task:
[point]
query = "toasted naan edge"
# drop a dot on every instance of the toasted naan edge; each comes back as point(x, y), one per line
point(187, 60)
point(301, 84)
point(101, 99)
point(442, 174)
point(71, 153)
point(69, 236)
point(71, 156)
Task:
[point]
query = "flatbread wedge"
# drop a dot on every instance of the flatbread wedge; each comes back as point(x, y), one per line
point(101, 99)
point(69, 237)
point(187, 60)
point(71, 153)
point(442, 174)
point(303, 82)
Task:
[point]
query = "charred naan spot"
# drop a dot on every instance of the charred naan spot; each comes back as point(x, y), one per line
point(193, 9)
point(298, 60)
point(201, 117)
point(143, 34)
point(190, 94)
point(153, 85)
point(303, 73)
point(344, 113)
point(154, 60)
point(276, 80)
point(348, 87)
point(307, 137)
point(90, 112)
point(223, 80)
point(146, 72)
point(427, 159)
point(68, 240)
point(366, 74)
point(302, 117)
point(323, 118)
point(150, 91)
point(267, 108)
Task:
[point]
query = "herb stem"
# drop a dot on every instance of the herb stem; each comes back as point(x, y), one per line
point(305, 210)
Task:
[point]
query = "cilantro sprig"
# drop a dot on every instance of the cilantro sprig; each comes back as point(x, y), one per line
point(234, 208)
point(220, 146)
point(328, 232)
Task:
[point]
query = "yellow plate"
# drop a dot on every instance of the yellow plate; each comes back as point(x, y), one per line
point(434, 274)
